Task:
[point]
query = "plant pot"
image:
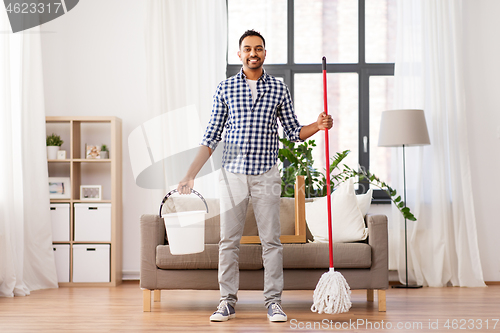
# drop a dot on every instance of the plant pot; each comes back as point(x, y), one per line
point(52, 152)
point(104, 154)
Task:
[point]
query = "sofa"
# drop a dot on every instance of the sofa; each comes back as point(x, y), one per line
point(364, 264)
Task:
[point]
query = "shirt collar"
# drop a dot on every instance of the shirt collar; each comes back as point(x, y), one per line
point(264, 75)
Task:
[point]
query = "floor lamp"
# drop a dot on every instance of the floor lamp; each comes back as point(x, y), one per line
point(402, 128)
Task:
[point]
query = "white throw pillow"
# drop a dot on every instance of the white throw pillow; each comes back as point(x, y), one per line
point(348, 211)
point(364, 202)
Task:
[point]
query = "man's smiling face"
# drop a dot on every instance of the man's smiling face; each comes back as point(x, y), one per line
point(252, 53)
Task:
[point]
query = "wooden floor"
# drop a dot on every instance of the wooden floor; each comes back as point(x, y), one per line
point(120, 310)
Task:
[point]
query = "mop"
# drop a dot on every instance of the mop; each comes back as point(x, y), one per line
point(332, 294)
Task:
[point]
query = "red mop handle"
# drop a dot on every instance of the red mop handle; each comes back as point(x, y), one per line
point(327, 154)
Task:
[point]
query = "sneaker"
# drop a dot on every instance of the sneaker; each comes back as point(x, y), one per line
point(224, 312)
point(275, 312)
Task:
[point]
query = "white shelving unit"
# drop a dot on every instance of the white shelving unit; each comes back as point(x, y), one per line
point(98, 253)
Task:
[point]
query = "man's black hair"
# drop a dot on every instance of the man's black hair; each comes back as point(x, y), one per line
point(252, 33)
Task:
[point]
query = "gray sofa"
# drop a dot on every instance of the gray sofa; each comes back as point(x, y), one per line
point(363, 264)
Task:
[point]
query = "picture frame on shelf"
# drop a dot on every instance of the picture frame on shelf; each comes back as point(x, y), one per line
point(92, 151)
point(90, 192)
point(61, 155)
point(59, 188)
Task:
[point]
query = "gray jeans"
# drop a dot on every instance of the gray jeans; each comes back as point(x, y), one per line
point(235, 191)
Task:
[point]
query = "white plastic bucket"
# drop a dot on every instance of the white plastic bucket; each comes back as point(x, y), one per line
point(185, 232)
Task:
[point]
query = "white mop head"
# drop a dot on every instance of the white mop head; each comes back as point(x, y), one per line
point(332, 294)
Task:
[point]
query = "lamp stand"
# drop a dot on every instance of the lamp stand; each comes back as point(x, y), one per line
point(406, 286)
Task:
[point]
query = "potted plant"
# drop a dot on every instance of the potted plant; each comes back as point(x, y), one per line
point(104, 151)
point(54, 142)
point(300, 162)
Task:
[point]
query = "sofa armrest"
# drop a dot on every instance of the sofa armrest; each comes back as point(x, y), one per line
point(152, 235)
point(378, 240)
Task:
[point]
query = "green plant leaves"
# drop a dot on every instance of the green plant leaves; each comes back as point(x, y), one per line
point(54, 140)
point(301, 163)
point(285, 153)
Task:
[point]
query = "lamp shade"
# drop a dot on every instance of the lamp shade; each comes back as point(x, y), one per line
point(403, 127)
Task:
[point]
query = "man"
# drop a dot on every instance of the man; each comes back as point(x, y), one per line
point(248, 106)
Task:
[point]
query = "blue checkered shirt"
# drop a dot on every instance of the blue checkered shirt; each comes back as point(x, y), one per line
point(251, 129)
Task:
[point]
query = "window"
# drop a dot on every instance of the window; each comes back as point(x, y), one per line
point(358, 39)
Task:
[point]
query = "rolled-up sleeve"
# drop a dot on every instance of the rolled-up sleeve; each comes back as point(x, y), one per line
point(288, 119)
point(213, 133)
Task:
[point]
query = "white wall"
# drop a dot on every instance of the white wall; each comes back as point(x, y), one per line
point(94, 64)
point(482, 74)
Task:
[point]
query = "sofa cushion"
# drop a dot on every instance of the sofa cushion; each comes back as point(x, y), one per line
point(295, 256)
point(315, 255)
point(347, 218)
point(250, 258)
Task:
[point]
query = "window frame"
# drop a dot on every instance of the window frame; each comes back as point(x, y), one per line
point(362, 68)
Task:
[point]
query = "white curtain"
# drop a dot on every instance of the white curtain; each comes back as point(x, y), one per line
point(26, 256)
point(186, 46)
point(443, 247)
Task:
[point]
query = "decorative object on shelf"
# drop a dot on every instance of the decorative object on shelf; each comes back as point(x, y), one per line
point(104, 151)
point(90, 192)
point(400, 128)
point(92, 152)
point(54, 142)
point(61, 155)
point(59, 187)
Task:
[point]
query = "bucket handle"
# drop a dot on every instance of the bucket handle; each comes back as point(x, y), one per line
point(174, 191)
